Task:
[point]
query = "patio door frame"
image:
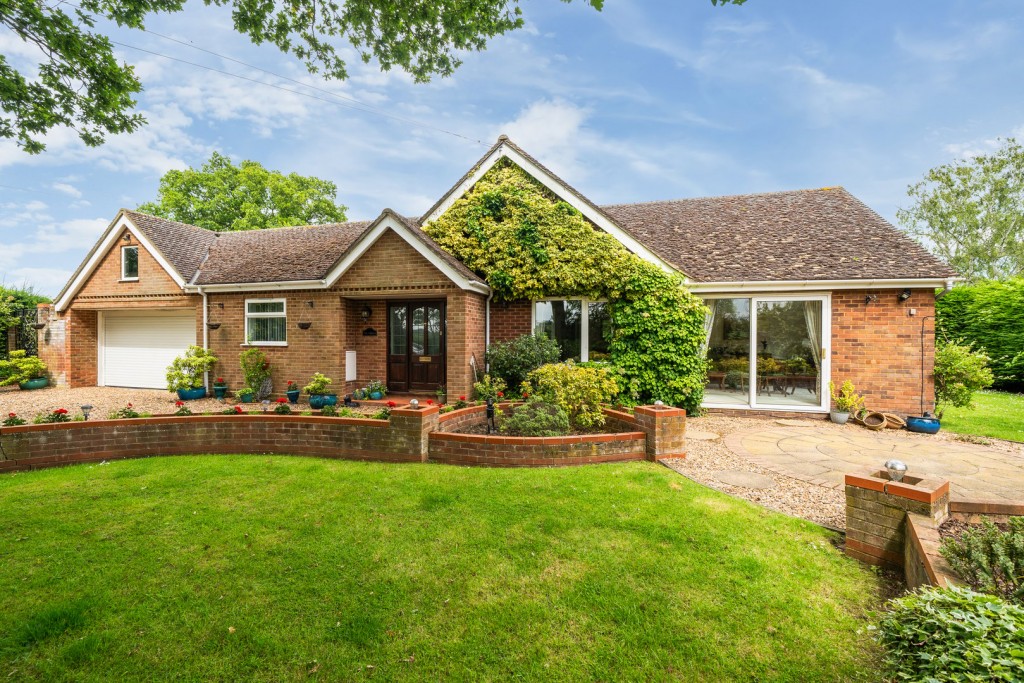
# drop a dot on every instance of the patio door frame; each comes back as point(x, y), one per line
point(826, 352)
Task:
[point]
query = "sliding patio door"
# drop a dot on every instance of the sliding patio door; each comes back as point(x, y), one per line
point(768, 352)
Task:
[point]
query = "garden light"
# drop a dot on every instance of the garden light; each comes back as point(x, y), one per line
point(86, 409)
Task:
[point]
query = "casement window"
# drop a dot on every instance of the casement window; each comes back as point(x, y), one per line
point(580, 326)
point(266, 322)
point(129, 263)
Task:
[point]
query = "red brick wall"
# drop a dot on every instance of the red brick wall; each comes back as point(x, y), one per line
point(106, 279)
point(878, 347)
point(510, 320)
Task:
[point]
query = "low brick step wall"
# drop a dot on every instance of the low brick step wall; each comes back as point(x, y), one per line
point(512, 451)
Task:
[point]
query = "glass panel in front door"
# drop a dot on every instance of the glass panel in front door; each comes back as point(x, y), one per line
point(397, 331)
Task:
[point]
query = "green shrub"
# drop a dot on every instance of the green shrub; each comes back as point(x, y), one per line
point(513, 360)
point(989, 559)
point(20, 367)
point(847, 400)
point(536, 418)
point(12, 420)
point(256, 371)
point(987, 316)
point(319, 385)
point(490, 387)
point(126, 413)
point(186, 372)
point(58, 415)
point(953, 634)
point(578, 390)
point(282, 407)
point(329, 411)
point(382, 414)
point(959, 372)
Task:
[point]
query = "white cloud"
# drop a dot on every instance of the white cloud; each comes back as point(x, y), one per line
point(970, 42)
point(550, 129)
point(68, 189)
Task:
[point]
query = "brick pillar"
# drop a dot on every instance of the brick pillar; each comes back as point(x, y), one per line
point(410, 431)
point(876, 514)
point(665, 428)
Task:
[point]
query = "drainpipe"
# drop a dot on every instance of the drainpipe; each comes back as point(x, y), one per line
point(927, 317)
point(487, 329)
point(206, 337)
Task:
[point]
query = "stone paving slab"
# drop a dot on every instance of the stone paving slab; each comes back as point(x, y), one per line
point(824, 454)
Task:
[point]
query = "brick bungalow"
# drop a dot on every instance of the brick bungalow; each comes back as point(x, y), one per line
point(804, 287)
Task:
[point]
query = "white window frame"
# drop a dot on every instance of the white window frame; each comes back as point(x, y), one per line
point(824, 399)
point(125, 278)
point(584, 323)
point(282, 314)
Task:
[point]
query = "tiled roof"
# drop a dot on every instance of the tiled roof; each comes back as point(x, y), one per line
point(184, 246)
point(825, 234)
point(278, 254)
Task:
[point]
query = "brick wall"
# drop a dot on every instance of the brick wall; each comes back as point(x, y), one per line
point(106, 279)
point(510, 319)
point(878, 347)
point(665, 428)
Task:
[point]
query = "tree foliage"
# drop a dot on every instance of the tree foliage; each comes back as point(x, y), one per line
point(80, 84)
point(988, 316)
point(528, 244)
point(971, 213)
point(221, 196)
point(960, 371)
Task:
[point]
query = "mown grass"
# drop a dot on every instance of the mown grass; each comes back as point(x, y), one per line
point(274, 568)
point(998, 414)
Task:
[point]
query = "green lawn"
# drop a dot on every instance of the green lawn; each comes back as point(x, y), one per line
point(998, 414)
point(271, 568)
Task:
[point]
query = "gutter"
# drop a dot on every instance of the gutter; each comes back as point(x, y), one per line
point(772, 286)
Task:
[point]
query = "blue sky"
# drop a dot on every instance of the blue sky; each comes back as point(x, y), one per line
point(642, 101)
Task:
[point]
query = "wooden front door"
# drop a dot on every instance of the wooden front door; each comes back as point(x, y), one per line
point(416, 345)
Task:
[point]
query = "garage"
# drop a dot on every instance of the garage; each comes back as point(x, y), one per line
point(135, 347)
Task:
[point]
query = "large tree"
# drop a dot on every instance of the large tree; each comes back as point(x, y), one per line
point(971, 213)
point(221, 196)
point(81, 85)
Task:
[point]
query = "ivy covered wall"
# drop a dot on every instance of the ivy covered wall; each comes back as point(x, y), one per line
point(529, 244)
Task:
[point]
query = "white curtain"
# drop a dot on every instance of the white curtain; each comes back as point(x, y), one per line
point(709, 322)
point(812, 316)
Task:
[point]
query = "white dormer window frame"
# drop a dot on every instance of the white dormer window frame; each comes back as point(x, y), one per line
point(126, 276)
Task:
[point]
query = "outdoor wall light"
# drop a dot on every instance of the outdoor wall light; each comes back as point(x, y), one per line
point(366, 313)
point(905, 294)
point(310, 303)
point(870, 298)
point(127, 237)
point(896, 469)
point(86, 409)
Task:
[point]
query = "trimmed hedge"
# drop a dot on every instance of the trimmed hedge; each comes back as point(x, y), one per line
point(989, 316)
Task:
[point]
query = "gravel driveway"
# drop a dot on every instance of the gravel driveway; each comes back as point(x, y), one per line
point(104, 401)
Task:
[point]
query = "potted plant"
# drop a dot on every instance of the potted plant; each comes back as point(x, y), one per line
point(319, 392)
point(846, 401)
point(359, 394)
point(292, 392)
point(442, 394)
point(245, 395)
point(376, 390)
point(220, 388)
point(28, 372)
point(185, 374)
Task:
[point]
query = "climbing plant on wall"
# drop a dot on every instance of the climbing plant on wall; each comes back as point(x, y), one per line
point(529, 244)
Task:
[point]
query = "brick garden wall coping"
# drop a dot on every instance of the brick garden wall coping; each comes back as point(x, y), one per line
point(923, 565)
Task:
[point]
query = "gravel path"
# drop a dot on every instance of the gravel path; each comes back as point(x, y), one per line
point(105, 400)
point(706, 459)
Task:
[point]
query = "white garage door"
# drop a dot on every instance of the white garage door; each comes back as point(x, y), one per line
point(137, 346)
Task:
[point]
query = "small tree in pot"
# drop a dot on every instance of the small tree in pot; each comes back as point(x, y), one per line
point(28, 372)
point(319, 391)
point(186, 373)
point(846, 401)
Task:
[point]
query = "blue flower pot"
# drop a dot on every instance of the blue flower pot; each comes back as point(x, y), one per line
point(220, 391)
point(923, 425)
point(191, 394)
point(376, 396)
point(293, 396)
point(318, 401)
point(247, 398)
point(37, 383)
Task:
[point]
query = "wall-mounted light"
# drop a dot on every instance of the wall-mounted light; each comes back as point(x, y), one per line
point(870, 298)
point(127, 237)
point(904, 295)
point(366, 313)
point(310, 303)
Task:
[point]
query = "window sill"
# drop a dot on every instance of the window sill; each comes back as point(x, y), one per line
point(265, 344)
point(129, 279)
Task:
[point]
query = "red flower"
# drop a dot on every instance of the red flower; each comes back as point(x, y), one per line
point(282, 400)
point(129, 405)
point(238, 409)
point(391, 404)
point(12, 415)
point(290, 382)
point(526, 395)
point(178, 404)
point(501, 394)
point(430, 402)
point(462, 398)
point(61, 411)
point(220, 380)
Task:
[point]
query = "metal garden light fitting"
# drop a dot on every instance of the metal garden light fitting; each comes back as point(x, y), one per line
point(86, 409)
point(896, 469)
point(490, 416)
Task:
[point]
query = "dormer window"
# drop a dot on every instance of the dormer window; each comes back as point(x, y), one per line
point(129, 263)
